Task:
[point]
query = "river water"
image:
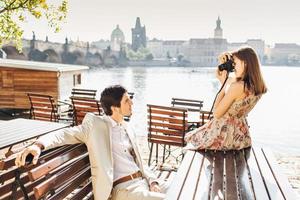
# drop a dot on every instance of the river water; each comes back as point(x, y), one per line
point(274, 122)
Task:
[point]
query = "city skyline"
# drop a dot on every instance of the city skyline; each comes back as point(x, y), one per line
point(270, 21)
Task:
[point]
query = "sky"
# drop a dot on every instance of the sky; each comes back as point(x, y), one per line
point(274, 21)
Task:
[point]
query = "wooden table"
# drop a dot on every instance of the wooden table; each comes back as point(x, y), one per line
point(20, 130)
point(246, 174)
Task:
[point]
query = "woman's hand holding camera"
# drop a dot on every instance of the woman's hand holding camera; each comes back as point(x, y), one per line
point(221, 75)
point(224, 57)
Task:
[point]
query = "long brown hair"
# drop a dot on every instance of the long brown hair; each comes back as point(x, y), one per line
point(252, 76)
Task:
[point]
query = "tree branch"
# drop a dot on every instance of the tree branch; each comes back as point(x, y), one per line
point(9, 8)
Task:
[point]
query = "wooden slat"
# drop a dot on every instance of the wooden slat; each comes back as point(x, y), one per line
point(166, 119)
point(167, 125)
point(176, 186)
point(166, 138)
point(166, 131)
point(45, 115)
point(43, 109)
point(82, 192)
point(205, 178)
point(270, 182)
point(218, 176)
point(86, 109)
point(230, 177)
point(54, 163)
point(8, 175)
point(165, 108)
point(76, 181)
point(87, 103)
point(86, 93)
point(192, 179)
point(62, 177)
point(257, 180)
point(281, 180)
point(166, 142)
point(169, 113)
point(83, 105)
point(186, 100)
point(244, 185)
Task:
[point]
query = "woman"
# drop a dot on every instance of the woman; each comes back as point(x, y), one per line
point(228, 129)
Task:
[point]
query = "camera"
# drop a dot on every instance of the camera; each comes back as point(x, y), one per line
point(227, 65)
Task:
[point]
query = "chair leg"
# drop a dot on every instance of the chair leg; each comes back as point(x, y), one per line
point(169, 151)
point(156, 154)
point(164, 153)
point(150, 155)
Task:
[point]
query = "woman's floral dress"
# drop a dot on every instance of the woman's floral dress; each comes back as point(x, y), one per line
point(231, 131)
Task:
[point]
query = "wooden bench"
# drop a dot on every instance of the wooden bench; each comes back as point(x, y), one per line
point(66, 166)
point(60, 172)
point(246, 174)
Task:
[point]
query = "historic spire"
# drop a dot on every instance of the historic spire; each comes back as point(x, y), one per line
point(218, 29)
point(218, 23)
point(138, 23)
point(139, 38)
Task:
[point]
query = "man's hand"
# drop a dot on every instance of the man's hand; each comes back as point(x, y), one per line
point(34, 149)
point(154, 187)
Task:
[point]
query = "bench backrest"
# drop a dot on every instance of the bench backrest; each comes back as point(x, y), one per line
point(60, 172)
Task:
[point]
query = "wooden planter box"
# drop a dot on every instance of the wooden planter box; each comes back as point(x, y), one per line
point(19, 77)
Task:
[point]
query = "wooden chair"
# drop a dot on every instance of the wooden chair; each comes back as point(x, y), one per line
point(43, 107)
point(60, 172)
point(189, 104)
point(166, 126)
point(193, 107)
point(84, 93)
point(81, 106)
point(204, 117)
point(78, 93)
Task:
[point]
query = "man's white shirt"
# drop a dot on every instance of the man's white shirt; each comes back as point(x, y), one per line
point(124, 163)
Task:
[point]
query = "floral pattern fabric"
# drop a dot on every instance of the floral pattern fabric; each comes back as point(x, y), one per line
point(231, 131)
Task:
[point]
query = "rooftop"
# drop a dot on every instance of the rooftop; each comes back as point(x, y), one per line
point(44, 66)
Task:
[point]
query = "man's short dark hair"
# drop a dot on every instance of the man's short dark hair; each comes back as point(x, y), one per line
point(111, 96)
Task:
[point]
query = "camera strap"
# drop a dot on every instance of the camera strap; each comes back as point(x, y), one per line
point(217, 95)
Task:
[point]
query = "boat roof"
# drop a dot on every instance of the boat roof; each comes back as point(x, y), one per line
point(44, 66)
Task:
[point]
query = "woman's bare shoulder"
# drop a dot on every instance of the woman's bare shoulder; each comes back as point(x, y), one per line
point(237, 89)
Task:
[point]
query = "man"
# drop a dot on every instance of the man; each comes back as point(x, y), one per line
point(116, 164)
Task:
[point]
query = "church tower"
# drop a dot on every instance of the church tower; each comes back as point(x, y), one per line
point(138, 35)
point(117, 39)
point(218, 29)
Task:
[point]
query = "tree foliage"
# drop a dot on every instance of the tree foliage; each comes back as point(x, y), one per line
point(141, 54)
point(15, 12)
